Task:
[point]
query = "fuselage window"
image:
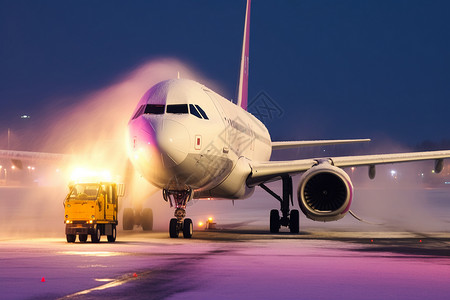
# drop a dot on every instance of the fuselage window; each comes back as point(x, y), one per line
point(202, 112)
point(155, 109)
point(194, 111)
point(177, 109)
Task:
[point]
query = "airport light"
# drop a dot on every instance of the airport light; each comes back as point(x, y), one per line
point(82, 174)
point(210, 224)
point(394, 174)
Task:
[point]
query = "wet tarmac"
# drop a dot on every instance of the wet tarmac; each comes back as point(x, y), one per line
point(230, 264)
point(406, 258)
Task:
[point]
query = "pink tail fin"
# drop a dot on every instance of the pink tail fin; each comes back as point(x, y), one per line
point(242, 98)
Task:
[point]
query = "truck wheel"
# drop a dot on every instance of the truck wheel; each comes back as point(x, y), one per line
point(147, 219)
point(71, 238)
point(128, 219)
point(95, 238)
point(82, 238)
point(112, 237)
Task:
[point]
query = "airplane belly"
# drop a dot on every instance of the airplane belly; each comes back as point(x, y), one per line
point(197, 171)
point(232, 186)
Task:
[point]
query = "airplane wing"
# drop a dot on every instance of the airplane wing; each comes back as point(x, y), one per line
point(266, 171)
point(297, 144)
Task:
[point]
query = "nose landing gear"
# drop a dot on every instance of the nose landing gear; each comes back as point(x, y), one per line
point(179, 199)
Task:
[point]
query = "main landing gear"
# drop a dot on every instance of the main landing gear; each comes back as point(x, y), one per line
point(179, 199)
point(289, 218)
point(139, 217)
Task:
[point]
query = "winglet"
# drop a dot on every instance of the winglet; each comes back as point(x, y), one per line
point(242, 97)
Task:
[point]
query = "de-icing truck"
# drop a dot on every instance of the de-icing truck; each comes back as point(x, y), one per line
point(91, 210)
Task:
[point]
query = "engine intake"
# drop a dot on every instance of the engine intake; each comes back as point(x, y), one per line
point(325, 193)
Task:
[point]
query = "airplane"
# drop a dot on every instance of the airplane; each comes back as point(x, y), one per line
point(192, 143)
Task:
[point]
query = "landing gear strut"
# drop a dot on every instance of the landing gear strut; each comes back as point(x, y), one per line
point(179, 199)
point(289, 218)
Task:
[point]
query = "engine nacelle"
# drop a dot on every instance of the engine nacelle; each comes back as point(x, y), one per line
point(325, 193)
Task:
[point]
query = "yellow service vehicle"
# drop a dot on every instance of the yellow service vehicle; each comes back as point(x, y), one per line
point(91, 209)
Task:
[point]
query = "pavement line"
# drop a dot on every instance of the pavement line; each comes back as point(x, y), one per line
point(115, 283)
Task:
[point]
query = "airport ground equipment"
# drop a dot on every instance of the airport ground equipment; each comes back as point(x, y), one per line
point(91, 209)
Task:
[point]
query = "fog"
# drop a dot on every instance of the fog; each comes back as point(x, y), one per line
point(91, 129)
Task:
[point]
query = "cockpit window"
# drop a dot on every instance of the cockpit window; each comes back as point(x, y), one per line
point(194, 111)
point(177, 109)
point(139, 112)
point(156, 109)
point(202, 112)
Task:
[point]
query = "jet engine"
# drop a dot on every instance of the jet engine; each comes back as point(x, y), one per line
point(325, 193)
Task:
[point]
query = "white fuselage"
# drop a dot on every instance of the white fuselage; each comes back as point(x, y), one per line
point(183, 135)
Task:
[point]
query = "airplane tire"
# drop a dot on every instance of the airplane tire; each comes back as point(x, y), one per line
point(173, 230)
point(128, 219)
point(82, 238)
point(147, 219)
point(112, 237)
point(294, 221)
point(71, 238)
point(274, 221)
point(95, 238)
point(187, 228)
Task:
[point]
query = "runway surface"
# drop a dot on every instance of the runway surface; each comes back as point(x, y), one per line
point(406, 258)
point(239, 264)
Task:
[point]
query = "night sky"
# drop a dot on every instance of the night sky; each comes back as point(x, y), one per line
point(334, 69)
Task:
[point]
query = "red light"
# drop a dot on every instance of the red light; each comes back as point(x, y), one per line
point(43, 279)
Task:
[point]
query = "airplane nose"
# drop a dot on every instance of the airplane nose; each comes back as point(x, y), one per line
point(173, 142)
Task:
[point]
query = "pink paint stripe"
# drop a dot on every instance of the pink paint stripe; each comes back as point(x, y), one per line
point(244, 70)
